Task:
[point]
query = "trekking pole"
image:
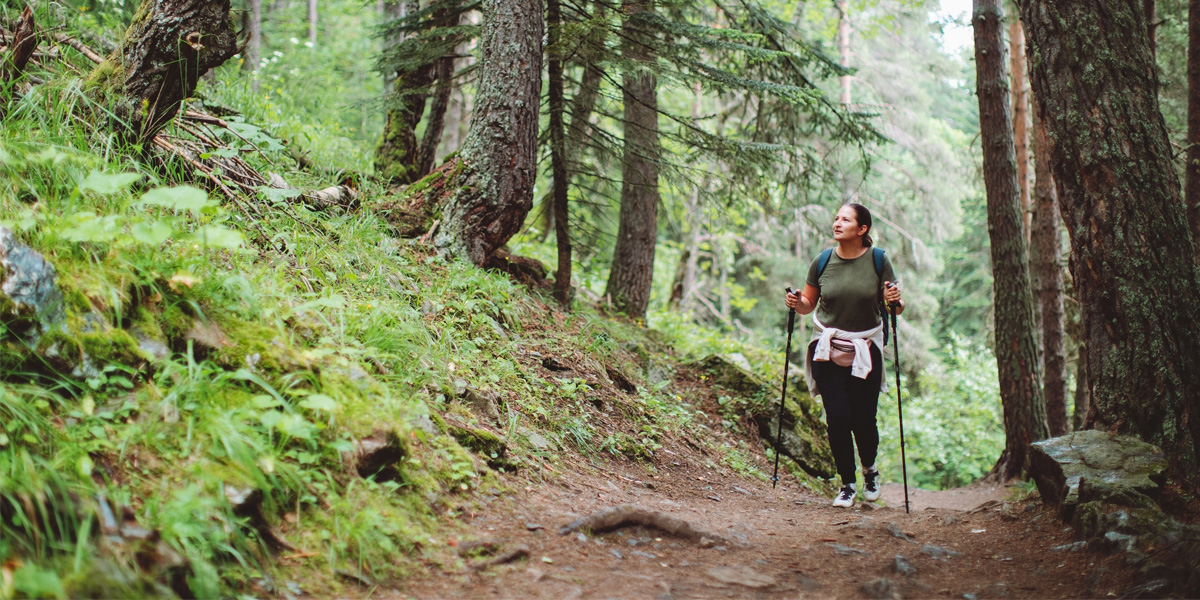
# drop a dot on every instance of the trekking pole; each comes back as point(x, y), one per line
point(786, 356)
point(899, 409)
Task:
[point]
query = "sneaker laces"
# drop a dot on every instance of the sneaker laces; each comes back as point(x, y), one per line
point(870, 480)
point(847, 493)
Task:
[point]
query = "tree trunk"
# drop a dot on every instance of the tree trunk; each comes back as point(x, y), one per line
point(494, 190)
point(632, 271)
point(1094, 74)
point(1046, 255)
point(1192, 187)
point(1020, 122)
point(843, 7)
point(435, 125)
point(558, 156)
point(1083, 391)
point(312, 22)
point(1151, 12)
point(253, 53)
point(398, 155)
point(1016, 333)
point(165, 50)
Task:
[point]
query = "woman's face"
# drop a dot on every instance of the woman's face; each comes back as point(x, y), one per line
point(845, 225)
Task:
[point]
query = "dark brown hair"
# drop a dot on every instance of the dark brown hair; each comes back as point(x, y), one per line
point(863, 217)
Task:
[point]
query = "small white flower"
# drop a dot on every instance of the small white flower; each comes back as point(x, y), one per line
point(294, 41)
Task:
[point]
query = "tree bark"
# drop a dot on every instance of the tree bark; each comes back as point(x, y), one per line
point(398, 155)
point(1016, 333)
point(1020, 122)
point(558, 156)
point(24, 42)
point(1083, 392)
point(1046, 254)
point(435, 125)
point(167, 47)
point(494, 190)
point(1095, 76)
point(843, 7)
point(1151, 11)
point(632, 272)
point(253, 53)
point(1192, 171)
point(312, 22)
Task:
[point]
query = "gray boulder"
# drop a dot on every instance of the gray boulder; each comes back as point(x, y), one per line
point(803, 437)
point(1121, 463)
point(30, 302)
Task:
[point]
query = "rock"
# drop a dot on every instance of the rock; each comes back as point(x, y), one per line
point(156, 349)
point(847, 550)
point(938, 552)
point(616, 553)
point(1072, 547)
point(30, 302)
point(537, 440)
point(426, 424)
point(903, 567)
point(741, 576)
point(881, 589)
point(895, 530)
point(486, 444)
point(804, 438)
point(484, 404)
point(728, 373)
point(378, 456)
point(1122, 463)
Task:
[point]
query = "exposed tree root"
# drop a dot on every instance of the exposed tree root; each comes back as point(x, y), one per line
point(632, 515)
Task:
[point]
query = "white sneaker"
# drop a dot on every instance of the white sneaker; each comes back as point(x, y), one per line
point(845, 498)
point(871, 489)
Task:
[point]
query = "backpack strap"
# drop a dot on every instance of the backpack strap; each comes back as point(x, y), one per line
point(823, 261)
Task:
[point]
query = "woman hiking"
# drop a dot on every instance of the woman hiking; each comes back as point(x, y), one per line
point(844, 364)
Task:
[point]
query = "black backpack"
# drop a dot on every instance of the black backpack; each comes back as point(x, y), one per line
point(877, 254)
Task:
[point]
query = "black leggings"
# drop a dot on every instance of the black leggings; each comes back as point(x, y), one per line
point(850, 405)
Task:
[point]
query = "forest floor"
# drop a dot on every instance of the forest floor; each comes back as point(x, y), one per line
point(973, 542)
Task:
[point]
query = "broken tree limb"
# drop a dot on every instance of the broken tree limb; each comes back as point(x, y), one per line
point(24, 43)
point(632, 515)
point(91, 55)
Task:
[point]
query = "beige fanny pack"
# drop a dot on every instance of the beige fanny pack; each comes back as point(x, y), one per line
point(841, 352)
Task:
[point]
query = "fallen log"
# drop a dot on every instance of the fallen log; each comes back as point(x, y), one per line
point(632, 515)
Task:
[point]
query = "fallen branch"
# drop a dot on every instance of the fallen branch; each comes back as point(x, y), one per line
point(78, 45)
point(632, 515)
point(24, 43)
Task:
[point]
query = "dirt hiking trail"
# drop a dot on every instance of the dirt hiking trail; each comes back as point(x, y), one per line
point(756, 542)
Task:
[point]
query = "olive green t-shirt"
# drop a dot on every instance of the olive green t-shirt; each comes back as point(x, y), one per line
point(850, 291)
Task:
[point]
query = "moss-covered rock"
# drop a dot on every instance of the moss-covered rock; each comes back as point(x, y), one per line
point(486, 444)
point(730, 373)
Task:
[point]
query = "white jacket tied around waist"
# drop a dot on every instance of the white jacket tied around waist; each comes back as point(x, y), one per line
point(862, 351)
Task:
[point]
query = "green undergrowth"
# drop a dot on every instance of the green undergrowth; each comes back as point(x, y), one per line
point(200, 354)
